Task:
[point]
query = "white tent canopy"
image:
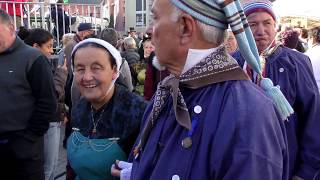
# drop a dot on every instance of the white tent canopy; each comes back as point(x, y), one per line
point(306, 8)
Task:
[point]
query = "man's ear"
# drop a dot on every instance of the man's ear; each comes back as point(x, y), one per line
point(11, 28)
point(186, 28)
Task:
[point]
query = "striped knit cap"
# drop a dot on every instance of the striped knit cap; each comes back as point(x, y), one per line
point(252, 6)
point(220, 14)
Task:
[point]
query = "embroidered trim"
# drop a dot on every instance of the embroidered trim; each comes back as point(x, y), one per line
point(217, 62)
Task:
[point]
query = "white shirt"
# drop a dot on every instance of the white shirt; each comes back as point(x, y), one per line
point(195, 56)
point(314, 55)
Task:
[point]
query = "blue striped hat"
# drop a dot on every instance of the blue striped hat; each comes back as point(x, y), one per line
point(220, 14)
point(252, 6)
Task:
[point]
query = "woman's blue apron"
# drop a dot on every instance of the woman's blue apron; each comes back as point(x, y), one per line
point(91, 159)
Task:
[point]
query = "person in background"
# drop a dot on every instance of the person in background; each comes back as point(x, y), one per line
point(106, 120)
point(28, 105)
point(291, 71)
point(207, 120)
point(66, 39)
point(314, 54)
point(120, 45)
point(84, 30)
point(141, 66)
point(301, 46)
point(91, 36)
point(148, 48)
point(140, 36)
point(303, 40)
point(111, 36)
point(133, 33)
point(132, 57)
point(290, 39)
point(147, 35)
point(43, 40)
point(231, 42)
point(152, 75)
point(60, 19)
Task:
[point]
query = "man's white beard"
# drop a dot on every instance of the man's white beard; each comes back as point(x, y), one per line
point(157, 65)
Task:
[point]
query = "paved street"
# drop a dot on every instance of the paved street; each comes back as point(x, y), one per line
point(61, 169)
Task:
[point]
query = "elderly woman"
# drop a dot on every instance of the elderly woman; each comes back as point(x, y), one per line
point(106, 120)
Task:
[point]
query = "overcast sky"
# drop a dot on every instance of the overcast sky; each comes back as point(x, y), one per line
point(297, 7)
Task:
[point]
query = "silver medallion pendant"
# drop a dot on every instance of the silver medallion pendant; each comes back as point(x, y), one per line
point(187, 142)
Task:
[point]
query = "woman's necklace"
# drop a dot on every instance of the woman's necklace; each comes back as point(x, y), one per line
point(95, 123)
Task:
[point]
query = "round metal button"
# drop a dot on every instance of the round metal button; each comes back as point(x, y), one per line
point(187, 142)
point(281, 70)
point(175, 177)
point(197, 109)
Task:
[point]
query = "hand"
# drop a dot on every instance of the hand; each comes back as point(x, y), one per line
point(115, 171)
point(64, 66)
point(65, 120)
point(121, 169)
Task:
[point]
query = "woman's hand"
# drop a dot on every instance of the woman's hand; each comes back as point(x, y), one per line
point(121, 169)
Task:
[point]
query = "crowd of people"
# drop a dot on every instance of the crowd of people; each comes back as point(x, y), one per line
point(224, 95)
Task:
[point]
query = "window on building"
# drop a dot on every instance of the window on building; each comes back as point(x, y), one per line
point(141, 13)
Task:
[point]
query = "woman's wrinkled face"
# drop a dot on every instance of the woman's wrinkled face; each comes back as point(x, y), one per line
point(94, 74)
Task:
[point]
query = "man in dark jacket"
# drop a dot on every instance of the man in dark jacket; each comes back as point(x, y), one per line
point(28, 103)
point(60, 20)
point(131, 56)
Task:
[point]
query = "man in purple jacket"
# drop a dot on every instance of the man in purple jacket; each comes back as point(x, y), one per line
point(292, 71)
point(207, 120)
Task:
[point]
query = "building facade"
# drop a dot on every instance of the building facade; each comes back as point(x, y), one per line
point(137, 14)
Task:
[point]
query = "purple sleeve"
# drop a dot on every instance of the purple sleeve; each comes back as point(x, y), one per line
point(307, 107)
